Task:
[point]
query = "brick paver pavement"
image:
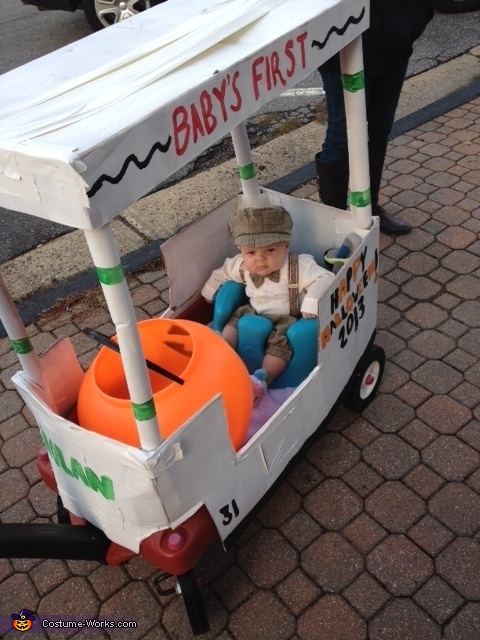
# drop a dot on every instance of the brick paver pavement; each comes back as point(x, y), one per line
point(376, 531)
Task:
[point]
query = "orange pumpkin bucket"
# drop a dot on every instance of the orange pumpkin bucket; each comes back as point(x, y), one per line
point(191, 351)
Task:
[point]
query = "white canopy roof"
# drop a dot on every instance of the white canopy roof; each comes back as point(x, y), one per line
point(87, 130)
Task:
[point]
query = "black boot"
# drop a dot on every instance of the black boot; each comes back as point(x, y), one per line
point(388, 224)
point(332, 182)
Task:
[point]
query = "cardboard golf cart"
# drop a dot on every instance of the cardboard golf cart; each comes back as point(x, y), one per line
point(169, 461)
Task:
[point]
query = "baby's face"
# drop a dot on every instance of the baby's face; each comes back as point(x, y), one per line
point(265, 260)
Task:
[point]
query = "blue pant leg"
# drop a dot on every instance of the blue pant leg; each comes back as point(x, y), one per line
point(335, 145)
point(382, 94)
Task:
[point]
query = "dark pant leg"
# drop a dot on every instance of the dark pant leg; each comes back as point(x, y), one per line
point(335, 146)
point(382, 96)
point(331, 162)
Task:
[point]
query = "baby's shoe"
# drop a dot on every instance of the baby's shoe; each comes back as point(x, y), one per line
point(259, 385)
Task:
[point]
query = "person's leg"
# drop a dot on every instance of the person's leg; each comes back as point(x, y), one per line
point(278, 352)
point(332, 161)
point(230, 330)
point(382, 96)
point(274, 366)
point(335, 146)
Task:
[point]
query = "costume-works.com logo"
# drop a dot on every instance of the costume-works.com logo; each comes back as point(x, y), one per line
point(23, 621)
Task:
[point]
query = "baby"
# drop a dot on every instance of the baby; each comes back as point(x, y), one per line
point(265, 265)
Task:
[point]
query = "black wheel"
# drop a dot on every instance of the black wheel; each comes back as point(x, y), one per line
point(457, 6)
point(193, 601)
point(366, 381)
point(103, 13)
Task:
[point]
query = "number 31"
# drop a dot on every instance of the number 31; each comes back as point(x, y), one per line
point(227, 513)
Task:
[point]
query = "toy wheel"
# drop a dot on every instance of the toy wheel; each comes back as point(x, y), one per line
point(193, 601)
point(366, 381)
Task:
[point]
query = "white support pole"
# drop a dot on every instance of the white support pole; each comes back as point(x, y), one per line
point(110, 274)
point(353, 78)
point(246, 166)
point(21, 344)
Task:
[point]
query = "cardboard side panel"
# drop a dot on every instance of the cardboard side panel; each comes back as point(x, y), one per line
point(192, 253)
point(105, 482)
point(348, 311)
point(230, 484)
point(294, 425)
point(203, 473)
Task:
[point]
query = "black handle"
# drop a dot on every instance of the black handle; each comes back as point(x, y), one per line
point(107, 342)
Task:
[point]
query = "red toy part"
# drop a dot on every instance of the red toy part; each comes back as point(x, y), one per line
point(45, 470)
point(178, 551)
point(118, 555)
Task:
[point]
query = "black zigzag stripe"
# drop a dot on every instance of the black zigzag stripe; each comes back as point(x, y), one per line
point(164, 147)
point(98, 184)
point(341, 31)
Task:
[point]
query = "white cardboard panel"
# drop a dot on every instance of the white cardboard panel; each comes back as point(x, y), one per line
point(194, 251)
point(104, 481)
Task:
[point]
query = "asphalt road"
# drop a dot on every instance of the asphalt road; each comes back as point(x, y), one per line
point(26, 34)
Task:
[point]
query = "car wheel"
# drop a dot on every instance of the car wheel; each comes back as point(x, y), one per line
point(457, 6)
point(103, 13)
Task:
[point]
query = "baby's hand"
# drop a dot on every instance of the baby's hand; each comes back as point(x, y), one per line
point(308, 315)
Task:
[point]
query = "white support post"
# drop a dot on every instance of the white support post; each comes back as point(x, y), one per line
point(246, 166)
point(353, 79)
point(110, 274)
point(21, 344)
